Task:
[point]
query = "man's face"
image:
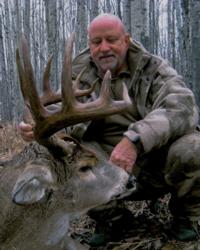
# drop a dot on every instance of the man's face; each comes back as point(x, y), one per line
point(108, 46)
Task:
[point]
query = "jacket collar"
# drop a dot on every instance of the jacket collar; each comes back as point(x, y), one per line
point(137, 58)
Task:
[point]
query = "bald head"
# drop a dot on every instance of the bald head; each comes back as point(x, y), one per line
point(108, 43)
point(106, 20)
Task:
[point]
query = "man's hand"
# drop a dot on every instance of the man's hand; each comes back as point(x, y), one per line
point(124, 154)
point(26, 131)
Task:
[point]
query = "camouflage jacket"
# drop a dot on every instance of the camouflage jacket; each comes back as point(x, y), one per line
point(163, 107)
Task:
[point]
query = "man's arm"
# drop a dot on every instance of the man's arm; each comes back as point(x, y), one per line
point(170, 111)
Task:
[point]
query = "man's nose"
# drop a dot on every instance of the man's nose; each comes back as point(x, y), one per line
point(104, 46)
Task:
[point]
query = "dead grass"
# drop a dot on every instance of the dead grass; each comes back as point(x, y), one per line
point(10, 141)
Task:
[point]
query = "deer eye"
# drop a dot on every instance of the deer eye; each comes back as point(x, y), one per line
point(85, 169)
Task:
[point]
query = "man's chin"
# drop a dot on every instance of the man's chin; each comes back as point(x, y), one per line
point(112, 68)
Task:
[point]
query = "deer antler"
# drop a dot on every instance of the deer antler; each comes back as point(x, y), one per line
point(49, 96)
point(72, 111)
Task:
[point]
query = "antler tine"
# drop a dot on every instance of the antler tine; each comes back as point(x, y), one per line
point(77, 81)
point(105, 90)
point(26, 116)
point(105, 105)
point(46, 76)
point(79, 92)
point(49, 96)
point(125, 95)
point(105, 96)
point(27, 82)
point(22, 78)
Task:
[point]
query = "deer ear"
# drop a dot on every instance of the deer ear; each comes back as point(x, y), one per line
point(32, 186)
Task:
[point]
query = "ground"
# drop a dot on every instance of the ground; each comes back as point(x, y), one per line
point(149, 225)
point(149, 230)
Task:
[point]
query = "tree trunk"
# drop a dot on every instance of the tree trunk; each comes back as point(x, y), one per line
point(153, 26)
point(195, 45)
point(94, 9)
point(10, 63)
point(81, 26)
point(127, 15)
point(51, 24)
point(139, 21)
point(119, 13)
point(27, 13)
point(3, 86)
point(107, 6)
point(186, 39)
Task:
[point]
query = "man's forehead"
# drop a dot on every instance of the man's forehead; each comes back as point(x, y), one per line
point(104, 22)
point(105, 26)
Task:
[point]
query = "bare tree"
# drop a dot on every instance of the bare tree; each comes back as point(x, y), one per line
point(139, 21)
point(81, 26)
point(94, 9)
point(186, 40)
point(51, 22)
point(127, 15)
point(153, 26)
point(118, 9)
point(171, 51)
point(3, 86)
point(10, 59)
point(107, 5)
point(195, 45)
point(27, 29)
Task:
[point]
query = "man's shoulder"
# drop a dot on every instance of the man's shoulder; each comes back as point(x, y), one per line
point(136, 46)
point(139, 58)
point(83, 57)
point(163, 66)
point(155, 61)
point(147, 61)
point(83, 61)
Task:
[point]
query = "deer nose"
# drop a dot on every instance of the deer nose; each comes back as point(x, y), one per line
point(130, 188)
point(131, 182)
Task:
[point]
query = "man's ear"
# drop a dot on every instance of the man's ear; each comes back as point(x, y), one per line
point(33, 185)
point(127, 39)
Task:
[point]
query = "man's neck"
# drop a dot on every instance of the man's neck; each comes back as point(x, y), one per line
point(123, 68)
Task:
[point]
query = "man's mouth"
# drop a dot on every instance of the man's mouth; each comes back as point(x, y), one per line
point(106, 58)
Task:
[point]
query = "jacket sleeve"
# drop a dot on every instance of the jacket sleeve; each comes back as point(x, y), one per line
point(170, 109)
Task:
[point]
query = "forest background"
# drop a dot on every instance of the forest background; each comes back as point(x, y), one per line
point(169, 28)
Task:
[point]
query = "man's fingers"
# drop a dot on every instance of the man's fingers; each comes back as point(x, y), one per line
point(29, 136)
point(124, 155)
point(25, 126)
point(26, 131)
point(125, 163)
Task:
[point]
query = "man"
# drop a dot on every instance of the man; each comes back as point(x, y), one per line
point(156, 140)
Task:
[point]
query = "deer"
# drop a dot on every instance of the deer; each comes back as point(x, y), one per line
point(56, 177)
